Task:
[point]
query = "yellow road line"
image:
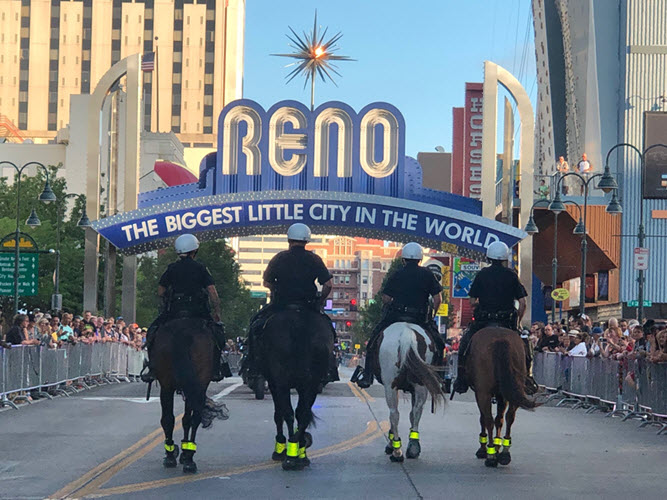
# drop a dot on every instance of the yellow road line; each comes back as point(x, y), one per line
point(363, 396)
point(371, 433)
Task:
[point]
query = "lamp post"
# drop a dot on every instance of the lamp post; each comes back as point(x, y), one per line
point(84, 221)
point(531, 228)
point(46, 196)
point(606, 183)
point(641, 234)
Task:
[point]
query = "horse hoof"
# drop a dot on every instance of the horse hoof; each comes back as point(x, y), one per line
point(491, 462)
point(414, 449)
point(278, 457)
point(307, 439)
point(190, 468)
point(388, 450)
point(396, 459)
point(181, 459)
point(293, 464)
point(305, 462)
point(481, 453)
point(169, 462)
point(504, 458)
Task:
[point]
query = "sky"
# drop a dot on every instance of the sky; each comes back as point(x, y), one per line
point(416, 55)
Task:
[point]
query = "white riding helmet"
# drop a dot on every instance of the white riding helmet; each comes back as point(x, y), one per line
point(412, 251)
point(498, 251)
point(186, 243)
point(298, 232)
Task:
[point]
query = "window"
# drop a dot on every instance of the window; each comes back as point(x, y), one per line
point(364, 280)
point(347, 281)
point(198, 105)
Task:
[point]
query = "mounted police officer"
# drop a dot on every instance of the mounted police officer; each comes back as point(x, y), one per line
point(291, 276)
point(406, 298)
point(493, 295)
point(185, 290)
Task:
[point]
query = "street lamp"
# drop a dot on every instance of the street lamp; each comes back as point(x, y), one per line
point(84, 221)
point(531, 228)
point(641, 234)
point(613, 208)
point(47, 196)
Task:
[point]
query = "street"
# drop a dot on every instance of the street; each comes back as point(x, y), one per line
point(107, 443)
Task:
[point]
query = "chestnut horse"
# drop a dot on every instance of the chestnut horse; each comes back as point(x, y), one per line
point(496, 368)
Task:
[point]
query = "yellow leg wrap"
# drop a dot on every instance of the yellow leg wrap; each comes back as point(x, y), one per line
point(395, 444)
point(483, 440)
point(490, 450)
point(292, 449)
point(497, 441)
point(280, 447)
point(414, 435)
point(189, 445)
point(168, 447)
point(507, 443)
point(302, 452)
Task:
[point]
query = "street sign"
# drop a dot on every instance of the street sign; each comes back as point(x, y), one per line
point(560, 294)
point(28, 274)
point(357, 346)
point(258, 295)
point(641, 259)
point(443, 310)
point(26, 242)
point(635, 303)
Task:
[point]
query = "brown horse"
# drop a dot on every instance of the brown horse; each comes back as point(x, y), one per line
point(184, 358)
point(496, 368)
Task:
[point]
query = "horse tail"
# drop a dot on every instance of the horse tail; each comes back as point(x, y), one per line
point(507, 378)
point(185, 373)
point(416, 369)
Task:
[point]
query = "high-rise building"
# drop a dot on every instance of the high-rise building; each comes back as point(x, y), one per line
point(52, 49)
point(601, 82)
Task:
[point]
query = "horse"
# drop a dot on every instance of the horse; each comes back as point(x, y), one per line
point(295, 347)
point(183, 357)
point(405, 355)
point(496, 368)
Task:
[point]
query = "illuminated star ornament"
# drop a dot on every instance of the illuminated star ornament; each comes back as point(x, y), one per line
point(314, 56)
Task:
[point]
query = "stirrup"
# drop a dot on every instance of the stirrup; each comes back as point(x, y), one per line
point(146, 375)
point(357, 372)
point(460, 385)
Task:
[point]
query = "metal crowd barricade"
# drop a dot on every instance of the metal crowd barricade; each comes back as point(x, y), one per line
point(135, 362)
point(234, 360)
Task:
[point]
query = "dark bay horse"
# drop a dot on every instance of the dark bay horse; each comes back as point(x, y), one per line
point(295, 349)
point(496, 367)
point(183, 359)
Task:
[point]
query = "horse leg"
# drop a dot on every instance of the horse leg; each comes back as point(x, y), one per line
point(186, 452)
point(196, 414)
point(278, 418)
point(483, 439)
point(419, 397)
point(395, 454)
point(486, 418)
point(167, 422)
point(501, 407)
point(504, 457)
point(304, 416)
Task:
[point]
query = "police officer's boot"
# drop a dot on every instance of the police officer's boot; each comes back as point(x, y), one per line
point(333, 368)
point(461, 382)
point(221, 368)
point(147, 374)
point(531, 385)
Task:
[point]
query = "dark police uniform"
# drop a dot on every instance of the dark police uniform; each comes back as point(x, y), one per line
point(410, 288)
point(496, 287)
point(291, 275)
point(186, 281)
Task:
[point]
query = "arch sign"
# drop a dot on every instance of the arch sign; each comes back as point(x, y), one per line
point(339, 171)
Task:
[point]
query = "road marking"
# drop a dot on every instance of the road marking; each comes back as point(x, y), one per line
point(371, 433)
point(226, 391)
point(363, 396)
point(117, 398)
point(99, 475)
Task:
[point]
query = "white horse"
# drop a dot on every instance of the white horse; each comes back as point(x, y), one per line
point(405, 355)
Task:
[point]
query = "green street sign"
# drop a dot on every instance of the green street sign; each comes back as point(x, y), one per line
point(28, 274)
point(635, 303)
point(258, 295)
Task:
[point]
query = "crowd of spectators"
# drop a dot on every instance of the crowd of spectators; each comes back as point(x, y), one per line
point(614, 339)
point(53, 330)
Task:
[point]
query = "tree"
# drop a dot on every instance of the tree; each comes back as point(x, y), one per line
point(71, 237)
point(371, 313)
point(236, 304)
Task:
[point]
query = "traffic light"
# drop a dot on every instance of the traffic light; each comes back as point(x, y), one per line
point(348, 324)
point(353, 305)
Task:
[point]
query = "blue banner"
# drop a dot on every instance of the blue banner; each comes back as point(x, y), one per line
point(326, 213)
